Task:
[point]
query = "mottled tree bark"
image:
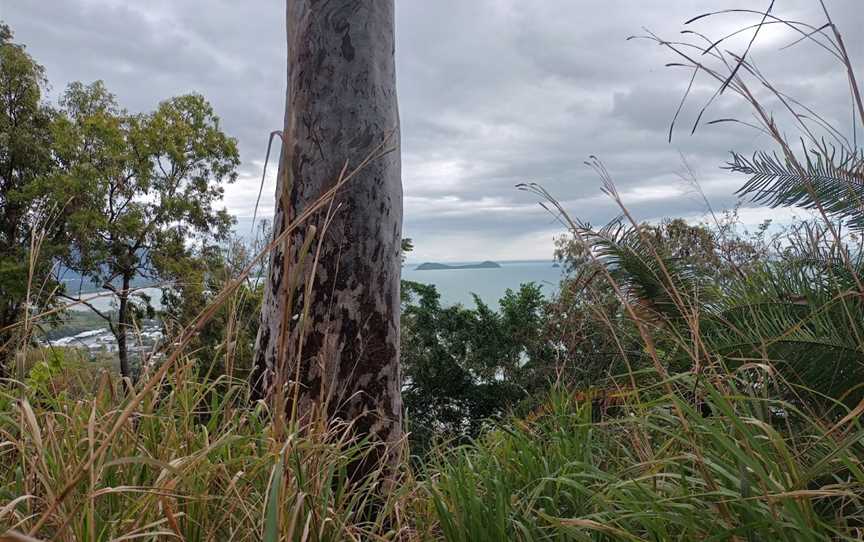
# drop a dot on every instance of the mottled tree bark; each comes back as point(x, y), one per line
point(340, 106)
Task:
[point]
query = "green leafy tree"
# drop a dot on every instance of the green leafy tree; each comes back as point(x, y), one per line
point(149, 186)
point(464, 367)
point(794, 306)
point(656, 267)
point(407, 246)
point(225, 345)
point(25, 160)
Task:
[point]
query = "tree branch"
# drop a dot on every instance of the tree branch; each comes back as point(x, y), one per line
point(106, 317)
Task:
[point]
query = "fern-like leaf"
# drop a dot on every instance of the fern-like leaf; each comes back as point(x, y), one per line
point(836, 181)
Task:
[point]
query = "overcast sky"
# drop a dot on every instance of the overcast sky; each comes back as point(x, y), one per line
point(492, 93)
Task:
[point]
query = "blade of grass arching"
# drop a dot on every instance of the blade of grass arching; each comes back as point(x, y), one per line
point(788, 467)
point(837, 451)
point(91, 447)
point(678, 299)
point(592, 526)
point(274, 502)
point(847, 63)
point(681, 103)
point(807, 30)
point(295, 513)
point(14, 535)
point(292, 276)
point(13, 505)
point(771, 477)
point(446, 521)
point(766, 118)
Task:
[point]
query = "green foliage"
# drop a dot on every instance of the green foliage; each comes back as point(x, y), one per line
point(5, 33)
point(662, 472)
point(799, 312)
point(147, 187)
point(26, 160)
point(406, 247)
point(802, 309)
point(225, 346)
point(150, 181)
point(206, 466)
point(114, 196)
point(793, 306)
point(831, 179)
point(464, 367)
point(43, 372)
point(189, 464)
point(714, 299)
point(755, 435)
point(664, 272)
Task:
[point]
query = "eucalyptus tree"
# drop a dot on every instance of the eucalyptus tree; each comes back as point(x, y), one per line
point(330, 317)
point(148, 186)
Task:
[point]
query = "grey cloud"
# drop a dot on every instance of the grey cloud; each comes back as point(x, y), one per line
point(492, 93)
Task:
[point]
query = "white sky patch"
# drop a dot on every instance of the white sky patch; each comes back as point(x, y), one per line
point(651, 193)
point(154, 13)
point(532, 245)
point(453, 206)
point(752, 217)
point(240, 197)
point(436, 175)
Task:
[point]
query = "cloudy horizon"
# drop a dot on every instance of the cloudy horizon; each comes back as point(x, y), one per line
point(492, 93)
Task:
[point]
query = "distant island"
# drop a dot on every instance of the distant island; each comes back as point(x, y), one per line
point(432, 266)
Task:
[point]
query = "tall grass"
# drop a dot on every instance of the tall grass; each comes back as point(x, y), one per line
point(198, 461)
point(742, 473)
point(194, 461)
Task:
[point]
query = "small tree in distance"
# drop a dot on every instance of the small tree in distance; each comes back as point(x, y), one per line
point(147, 186)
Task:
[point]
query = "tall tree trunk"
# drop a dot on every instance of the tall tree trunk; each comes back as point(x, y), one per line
point(340, 105)
point(122, 324)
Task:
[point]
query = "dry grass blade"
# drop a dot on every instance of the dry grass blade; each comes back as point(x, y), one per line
point(16, 536)
point(749, 45)
point(264, 173)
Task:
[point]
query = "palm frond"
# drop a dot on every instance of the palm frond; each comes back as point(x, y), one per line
point(654, 279)
point(834, 180)
point(796, 316)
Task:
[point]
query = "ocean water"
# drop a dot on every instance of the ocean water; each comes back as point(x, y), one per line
point(457, 285)
point(103, 300)
point(454, 285)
